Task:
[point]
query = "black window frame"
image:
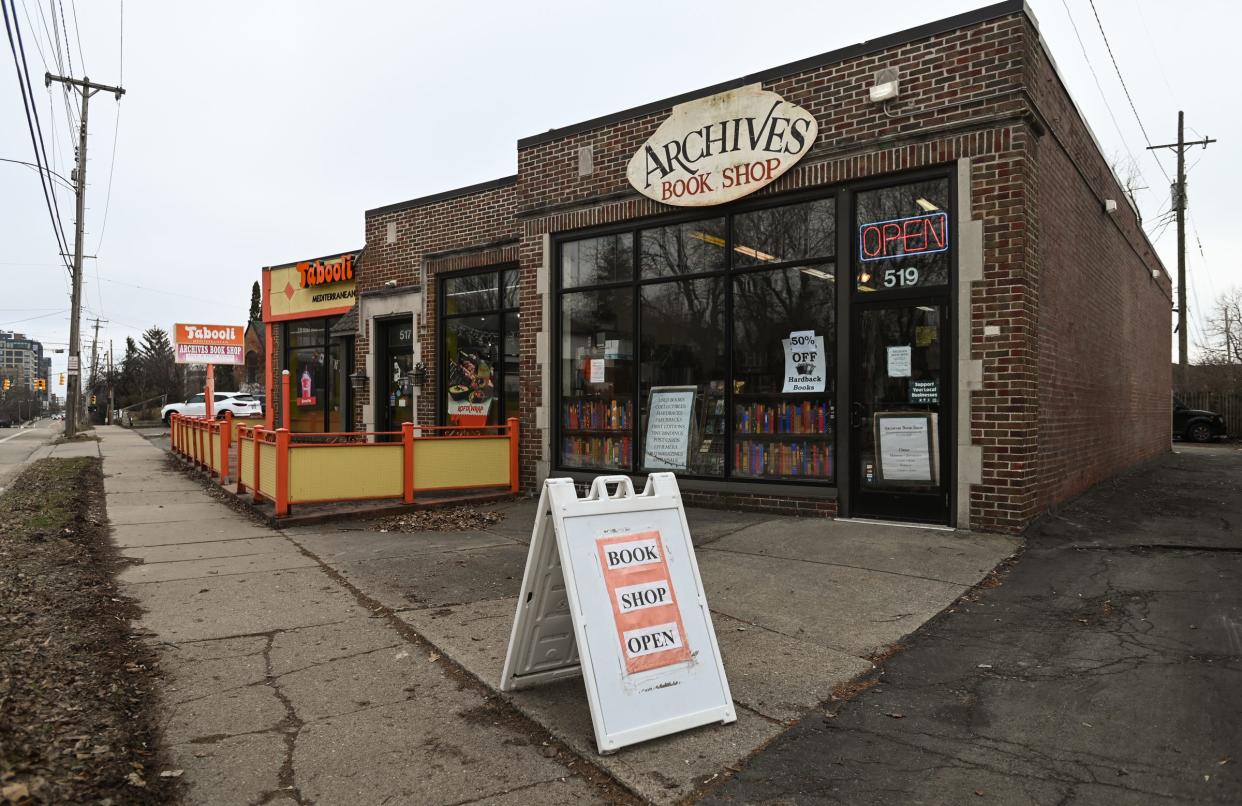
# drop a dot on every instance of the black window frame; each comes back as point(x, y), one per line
point(636, 281)
point(498, 271)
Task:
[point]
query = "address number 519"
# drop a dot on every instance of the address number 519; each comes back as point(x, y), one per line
point(900, 278)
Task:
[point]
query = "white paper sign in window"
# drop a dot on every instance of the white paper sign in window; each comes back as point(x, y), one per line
point(899, 361)
point(806, 366)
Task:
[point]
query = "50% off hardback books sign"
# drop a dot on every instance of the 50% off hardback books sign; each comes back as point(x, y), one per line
point(612, 592)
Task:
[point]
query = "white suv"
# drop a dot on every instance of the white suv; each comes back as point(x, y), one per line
point(227, 404)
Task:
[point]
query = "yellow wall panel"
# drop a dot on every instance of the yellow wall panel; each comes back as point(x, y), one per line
point(246, 471)
point(448, 463)
point(329, 472)
point(267, 469)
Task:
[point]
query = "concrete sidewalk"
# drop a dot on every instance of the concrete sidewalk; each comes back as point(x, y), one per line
point(308, 663)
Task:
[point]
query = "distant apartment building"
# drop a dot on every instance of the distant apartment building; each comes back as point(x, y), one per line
point(22, 361)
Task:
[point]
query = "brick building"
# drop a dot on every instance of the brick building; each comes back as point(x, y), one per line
point(898, 280)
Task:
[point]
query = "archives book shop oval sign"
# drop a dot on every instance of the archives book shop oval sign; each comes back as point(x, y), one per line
point(717, 149)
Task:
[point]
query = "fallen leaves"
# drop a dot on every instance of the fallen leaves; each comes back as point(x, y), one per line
point(443, 519)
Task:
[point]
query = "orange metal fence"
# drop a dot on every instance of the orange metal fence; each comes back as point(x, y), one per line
point(287, 468)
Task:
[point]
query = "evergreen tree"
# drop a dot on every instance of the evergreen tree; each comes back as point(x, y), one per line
point(256, 303)
point(161, 374)
point(129, 381)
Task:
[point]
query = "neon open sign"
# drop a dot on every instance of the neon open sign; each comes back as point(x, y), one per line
point(916, 235)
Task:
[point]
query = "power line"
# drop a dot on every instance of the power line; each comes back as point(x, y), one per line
point(1126, 89)
point(116, 128)
point(34, 111)
point(77, 34)
point(1103, 97)
point(50, 173)
point(64, 31)
point(44, 183)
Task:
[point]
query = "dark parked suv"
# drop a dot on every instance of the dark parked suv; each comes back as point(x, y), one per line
point(1196, 425)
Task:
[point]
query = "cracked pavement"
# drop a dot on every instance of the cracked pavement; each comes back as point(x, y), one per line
point(285, 685)
point(1106, 668)
point(337, 664)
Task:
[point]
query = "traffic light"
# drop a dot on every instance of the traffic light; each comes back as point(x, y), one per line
point(92, 400)
point(6, 384)
point(61, 382)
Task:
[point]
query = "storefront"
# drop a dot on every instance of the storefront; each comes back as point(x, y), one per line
point(303, 305)
point(854, 285)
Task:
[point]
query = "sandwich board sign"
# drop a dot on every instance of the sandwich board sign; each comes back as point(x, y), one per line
point(612, 592)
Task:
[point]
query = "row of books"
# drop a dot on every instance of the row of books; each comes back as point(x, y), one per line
point(785, 459)
point(597, 415)
point(806, 417)
point(612, 453)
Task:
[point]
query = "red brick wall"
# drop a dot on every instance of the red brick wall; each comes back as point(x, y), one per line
point(471, 230)
point(977, 93)
point(1103, 321)
point(953, 78)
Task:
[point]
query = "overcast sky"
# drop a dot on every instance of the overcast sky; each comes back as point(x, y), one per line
point(255, 133)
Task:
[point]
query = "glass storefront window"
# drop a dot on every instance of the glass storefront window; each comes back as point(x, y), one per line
point(902, 237)
point(715, 330)
point(509, 288)
point(511, 376)
point(471, 292)
point(479, 348)
point(307, 387)
point(681, 249)
point(597, 260)
point(779, 234)
point(683, 345)
point(318, 366)
point(597, 379)
point(306, 333)
point(783, 423)
point(472, 347)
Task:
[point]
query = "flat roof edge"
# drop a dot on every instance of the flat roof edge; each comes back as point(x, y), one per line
point(354, 252)
point(444, 195)
point(974, 17)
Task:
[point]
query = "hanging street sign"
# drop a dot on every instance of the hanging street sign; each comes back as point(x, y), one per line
point(720, 148)
point(612, 591)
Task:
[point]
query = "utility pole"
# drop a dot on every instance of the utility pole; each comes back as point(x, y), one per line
point(94, 357)
point(73, 391)
point(111, 389)
point(1179, 204)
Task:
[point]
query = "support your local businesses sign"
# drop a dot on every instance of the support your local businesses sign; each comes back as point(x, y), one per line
point(717, 149)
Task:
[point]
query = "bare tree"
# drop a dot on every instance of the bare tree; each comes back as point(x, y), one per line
point(1222, 330)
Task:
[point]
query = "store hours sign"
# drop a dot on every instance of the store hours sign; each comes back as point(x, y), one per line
point(720, 148)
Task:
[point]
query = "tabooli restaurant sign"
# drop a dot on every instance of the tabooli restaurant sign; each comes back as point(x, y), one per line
point(321, 287)
point(717, 149)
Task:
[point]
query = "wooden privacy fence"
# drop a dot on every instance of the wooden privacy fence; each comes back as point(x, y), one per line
point(287, 468)
point(1227, 405)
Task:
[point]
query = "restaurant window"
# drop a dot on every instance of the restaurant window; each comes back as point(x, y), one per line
point(902, 237)
point(479, 348)
point(677, 347)
point(316, 365)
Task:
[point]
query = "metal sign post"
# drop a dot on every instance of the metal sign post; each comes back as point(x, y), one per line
point(612, 590)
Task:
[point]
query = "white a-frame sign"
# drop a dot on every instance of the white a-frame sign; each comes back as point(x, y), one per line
point(612, 589)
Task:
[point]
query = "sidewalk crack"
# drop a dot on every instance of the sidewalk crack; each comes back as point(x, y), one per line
point(289, 727)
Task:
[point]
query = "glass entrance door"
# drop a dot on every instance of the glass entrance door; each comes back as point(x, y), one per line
point(396, 390)
point(899, 411)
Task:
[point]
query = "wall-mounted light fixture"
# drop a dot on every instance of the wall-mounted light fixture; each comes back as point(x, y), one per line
point(885, 86)
point(417, 375)
point(358, 381)
point(1110, 206)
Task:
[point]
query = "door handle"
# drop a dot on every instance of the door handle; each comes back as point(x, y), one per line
point(858, 414)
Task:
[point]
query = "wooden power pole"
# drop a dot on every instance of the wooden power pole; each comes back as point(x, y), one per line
point(73, 391)
point(1179, 205)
